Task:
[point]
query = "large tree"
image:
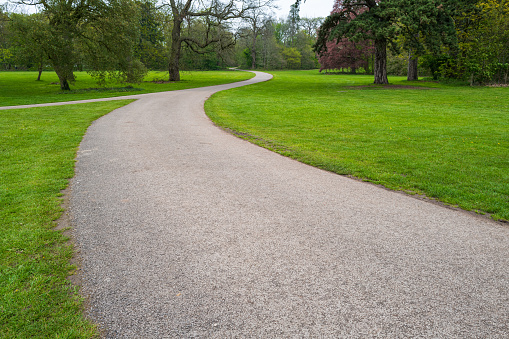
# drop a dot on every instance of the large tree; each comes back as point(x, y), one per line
point(215, 14)
point(422, 23)
point(5, 50)
point(100, 31)
point(311, 25)
point(150, 49)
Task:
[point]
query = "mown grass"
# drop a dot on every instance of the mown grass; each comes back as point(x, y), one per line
point(38, 147)
point(450, 143)
point(21, 88)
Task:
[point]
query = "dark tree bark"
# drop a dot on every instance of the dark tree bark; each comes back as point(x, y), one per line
point(412, 67)
point(64, 72)
point(253, 46)
point(40, 71)
point(176, 38)
point(380, 67)
point(176, 42)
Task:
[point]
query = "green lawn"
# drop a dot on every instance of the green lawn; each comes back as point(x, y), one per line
point(20, 88)
point(38, 147)
point(448, 142)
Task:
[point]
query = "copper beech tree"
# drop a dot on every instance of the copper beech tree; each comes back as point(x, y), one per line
point(344, 53)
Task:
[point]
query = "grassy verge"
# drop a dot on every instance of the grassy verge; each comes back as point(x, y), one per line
point(447, 142)
point(37, 148)
point(20, 88)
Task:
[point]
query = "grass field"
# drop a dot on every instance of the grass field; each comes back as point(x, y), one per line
point(37, 151)
point(450, 143)
point(38, 147)
point(20, 88)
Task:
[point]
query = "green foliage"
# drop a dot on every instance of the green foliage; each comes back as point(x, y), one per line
point(67, 33)
point(292, 57)
point(435, 64)
point(397, 64)
point(6, 56)
point(150, 48)
point(447, 142)
point(484, 47)
point(279, 43)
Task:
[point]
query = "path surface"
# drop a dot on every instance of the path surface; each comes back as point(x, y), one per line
point(188, 232)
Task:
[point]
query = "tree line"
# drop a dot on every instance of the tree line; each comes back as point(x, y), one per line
point(121, 39)
point(466, 40)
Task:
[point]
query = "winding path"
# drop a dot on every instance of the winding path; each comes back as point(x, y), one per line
point(188, 232)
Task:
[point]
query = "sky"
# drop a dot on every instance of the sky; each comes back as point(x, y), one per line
point(309, 8)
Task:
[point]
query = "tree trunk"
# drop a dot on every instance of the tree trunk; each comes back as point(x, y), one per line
point(173, 67)
point(253, 49)
point(62, 77)
point(380, 67)
point(64, 85)
point(40, 72)
point(65, 75)
point(63, 65)
point(253, 58)
point(253, 55)
point(412, 67)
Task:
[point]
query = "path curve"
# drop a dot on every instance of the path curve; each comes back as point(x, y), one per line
point(188, 232)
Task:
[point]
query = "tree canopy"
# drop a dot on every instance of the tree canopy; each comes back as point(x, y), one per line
point(67, 30)
point(421, 24)
point(120, 39)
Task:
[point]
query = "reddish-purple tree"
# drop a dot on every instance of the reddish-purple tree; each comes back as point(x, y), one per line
point(345, 53)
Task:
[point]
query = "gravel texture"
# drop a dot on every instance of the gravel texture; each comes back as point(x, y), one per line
point(186, 231)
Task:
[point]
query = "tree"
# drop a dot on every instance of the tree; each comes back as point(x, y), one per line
point(256, 17)
point(292, 57)
point(5, 47)
point(484, 43)
point(311, 25)
point(293, 22)
point(25, 28)
point(344, 53)
point(107, 44)
point(271, 49)
point(210, 57)
point(215, 14)
point(103, 31)
point(302, 43)
point(383, 21)
point(425, 27)
point(359, 20)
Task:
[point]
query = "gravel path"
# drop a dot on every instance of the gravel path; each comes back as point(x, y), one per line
point(188, 232)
